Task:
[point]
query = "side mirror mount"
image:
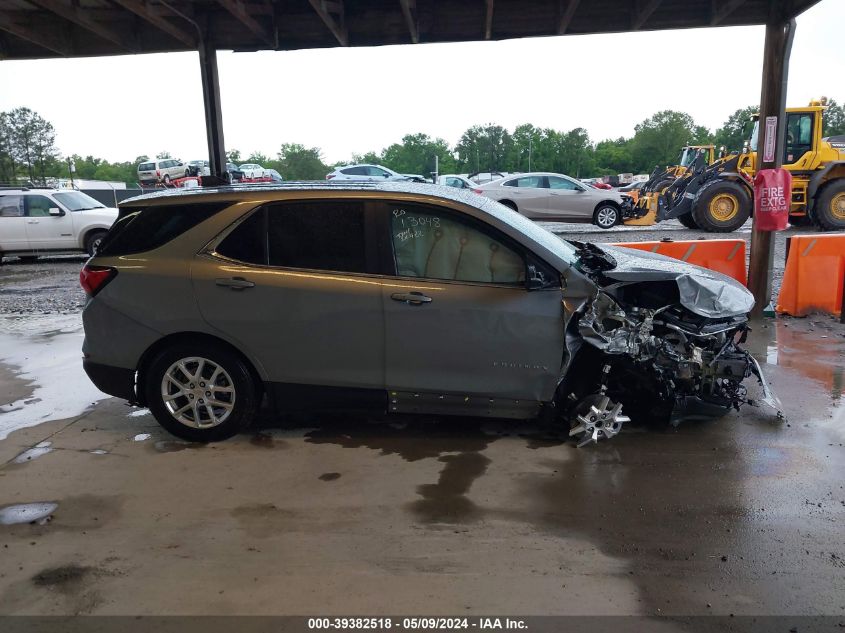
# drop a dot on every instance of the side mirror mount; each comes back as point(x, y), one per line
point(55, 212)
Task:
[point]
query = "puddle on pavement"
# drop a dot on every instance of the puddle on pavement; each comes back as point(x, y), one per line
point(329, 476)
point(447, 501)
point(99, 451)
point(138, 413)
point(173, 446)
point(39, 512)
point(42, 448)
point(266, 440)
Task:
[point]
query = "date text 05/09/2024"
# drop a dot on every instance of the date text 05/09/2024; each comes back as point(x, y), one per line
point(416, 624)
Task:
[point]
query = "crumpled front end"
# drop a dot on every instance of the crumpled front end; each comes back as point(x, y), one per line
point(664, 342)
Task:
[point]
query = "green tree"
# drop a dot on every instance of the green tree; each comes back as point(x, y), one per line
point(484, 148)
point(163, 155)
point(833, 119)
point(259, 158)
point(7, 160)
point(31, 141)
point(416, 155)
point(233, 156)
point(297, 162)
point(613, 157)
point(736, 130)
point(658, 139)
point(368, 158)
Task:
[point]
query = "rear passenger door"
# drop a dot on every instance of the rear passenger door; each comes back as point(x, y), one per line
point(12, 223)
point(531, 194)
point(464, 334)
point(293, 286)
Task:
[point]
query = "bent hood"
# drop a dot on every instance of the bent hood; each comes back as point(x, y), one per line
point(702, 291)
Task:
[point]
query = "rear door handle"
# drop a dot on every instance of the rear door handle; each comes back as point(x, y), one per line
point(235, 283)
point(411, 298)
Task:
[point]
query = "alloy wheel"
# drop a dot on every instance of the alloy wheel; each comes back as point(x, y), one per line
point(198, 393)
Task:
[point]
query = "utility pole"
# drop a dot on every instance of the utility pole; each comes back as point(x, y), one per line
point(778, 46)
point(530, 144)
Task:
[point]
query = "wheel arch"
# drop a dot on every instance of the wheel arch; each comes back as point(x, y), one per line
point(186, 338)
point(83, 238)
point(609, 201)
point(833, 171)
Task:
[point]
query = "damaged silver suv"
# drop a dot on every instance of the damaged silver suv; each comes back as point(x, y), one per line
point(403, 298)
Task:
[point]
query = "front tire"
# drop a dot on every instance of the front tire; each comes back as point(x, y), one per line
point(606, 216)
point(829, 212)
point(166, 179)
point(510, 205)
point(722, 207)
point(201, 392)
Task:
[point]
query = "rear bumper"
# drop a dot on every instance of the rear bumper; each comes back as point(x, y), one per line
point(115, 381)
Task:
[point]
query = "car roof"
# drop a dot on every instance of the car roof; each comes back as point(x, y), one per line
point(519, 227)
point(182, 195)
point(5, 190)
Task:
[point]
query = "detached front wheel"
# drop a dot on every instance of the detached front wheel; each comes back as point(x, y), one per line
point(201, 393)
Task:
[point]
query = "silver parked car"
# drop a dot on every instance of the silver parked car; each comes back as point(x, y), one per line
point(401, 298)
point(548, 196)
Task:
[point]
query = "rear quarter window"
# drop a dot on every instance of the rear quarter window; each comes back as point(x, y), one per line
point(146, 167)
point(141, 229)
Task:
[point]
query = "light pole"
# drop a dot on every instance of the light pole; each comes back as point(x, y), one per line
point(530, 142)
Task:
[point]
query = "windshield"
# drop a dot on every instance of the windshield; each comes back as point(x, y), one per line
point(753, 144)
point(78, 201)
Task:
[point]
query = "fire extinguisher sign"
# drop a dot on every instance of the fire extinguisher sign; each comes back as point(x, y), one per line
point(772, 199)
point(771, 139)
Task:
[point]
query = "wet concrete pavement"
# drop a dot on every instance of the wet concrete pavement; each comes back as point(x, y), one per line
point(341, 515)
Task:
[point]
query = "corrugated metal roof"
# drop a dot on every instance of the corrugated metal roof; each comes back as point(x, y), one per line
point(66, 28)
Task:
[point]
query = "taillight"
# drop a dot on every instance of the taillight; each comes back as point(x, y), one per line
point(329, 176)
point(158, 173)
point(477, 191)
point(94, 278)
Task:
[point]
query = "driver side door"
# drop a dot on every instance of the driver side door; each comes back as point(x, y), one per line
point(45, 231)
point(568, 199)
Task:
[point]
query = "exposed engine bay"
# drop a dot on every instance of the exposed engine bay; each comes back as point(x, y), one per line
point(656, 357)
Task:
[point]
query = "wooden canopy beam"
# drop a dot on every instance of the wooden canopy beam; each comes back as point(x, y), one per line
point(723, 9)
point(409, 10)
point(332, 15)
point(60, 45)
point(566, 9)
point(239, 10)
point(82, 18)
point(142, 9)
point(645, 10)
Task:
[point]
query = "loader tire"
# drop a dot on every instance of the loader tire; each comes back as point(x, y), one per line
point(688, 221)
point(829, 211)
point(722, 207)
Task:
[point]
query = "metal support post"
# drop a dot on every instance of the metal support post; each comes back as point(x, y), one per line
point(213, 110)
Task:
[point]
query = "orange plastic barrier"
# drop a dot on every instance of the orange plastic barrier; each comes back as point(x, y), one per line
point(724, 256)
point(813, 279)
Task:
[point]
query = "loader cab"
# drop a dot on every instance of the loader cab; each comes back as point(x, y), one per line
point(801, 139)
point(691, 152)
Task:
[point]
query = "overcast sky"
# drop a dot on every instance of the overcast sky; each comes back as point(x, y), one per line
point(360, 99)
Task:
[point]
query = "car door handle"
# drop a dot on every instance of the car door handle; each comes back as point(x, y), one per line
point(411, 298)
point(235, 283)
point(32, 221)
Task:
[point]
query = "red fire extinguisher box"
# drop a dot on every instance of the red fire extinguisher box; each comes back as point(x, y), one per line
point(772, 197)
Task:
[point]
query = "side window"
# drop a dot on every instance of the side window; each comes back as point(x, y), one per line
point(430, 245)
point(248, 241)
point(375, 171)
point(799, 136)
point(322, 235)
point(355, 171)
point(454, 182)
point(11, 206)
point(535, 182)
point(556, 182)
point(39, 206)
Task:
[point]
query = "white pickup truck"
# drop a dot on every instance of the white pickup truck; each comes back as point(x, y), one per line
point(35, 222)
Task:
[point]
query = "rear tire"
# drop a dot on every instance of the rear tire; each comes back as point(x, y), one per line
point(606, 216)
point(92, 242)
point(201, 392)
point(829, 211)
point(166, 179)
point(688, 221)
point(723, 207)
point(510, 205)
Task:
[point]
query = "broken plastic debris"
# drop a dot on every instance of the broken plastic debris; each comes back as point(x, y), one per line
point(38, 512)
point(141, 437)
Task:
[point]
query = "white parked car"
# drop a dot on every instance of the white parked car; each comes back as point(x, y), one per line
point(152, 172)
point(36, 221)
point(199, 167)
point(454, 180)
point(253, 170)
point(365, 172)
